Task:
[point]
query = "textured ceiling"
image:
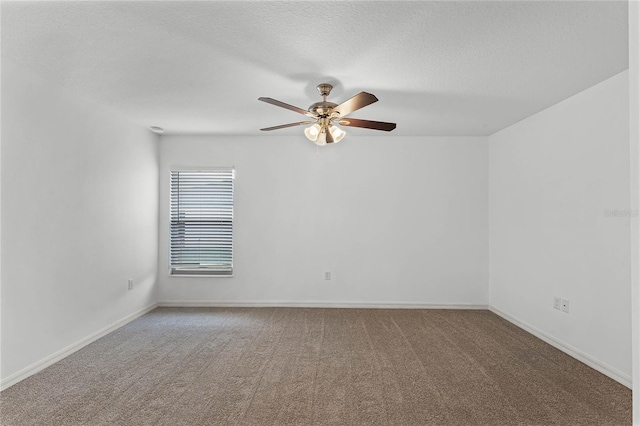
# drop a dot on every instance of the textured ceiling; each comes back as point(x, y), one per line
point(438, 68)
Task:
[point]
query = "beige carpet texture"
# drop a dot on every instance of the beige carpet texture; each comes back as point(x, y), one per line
point(293, 366)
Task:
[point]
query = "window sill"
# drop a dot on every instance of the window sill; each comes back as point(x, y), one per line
point(199, 276)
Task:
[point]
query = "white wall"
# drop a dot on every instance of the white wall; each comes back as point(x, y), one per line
point(398, 220)
point(79, 217)
point(552, 176)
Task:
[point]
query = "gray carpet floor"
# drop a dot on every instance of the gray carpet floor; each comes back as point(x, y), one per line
point(285, 366)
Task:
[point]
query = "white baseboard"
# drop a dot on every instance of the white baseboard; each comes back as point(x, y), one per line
point(597, 365)
point(65, 352)
point(311, 304)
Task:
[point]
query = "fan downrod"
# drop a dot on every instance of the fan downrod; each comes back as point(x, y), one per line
point(323, 108)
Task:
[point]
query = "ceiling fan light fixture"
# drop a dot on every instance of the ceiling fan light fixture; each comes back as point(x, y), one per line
point(337, 133)
point(312, 132)
point(321, 140)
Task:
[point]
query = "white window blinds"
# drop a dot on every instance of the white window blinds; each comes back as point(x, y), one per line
point(201, 235)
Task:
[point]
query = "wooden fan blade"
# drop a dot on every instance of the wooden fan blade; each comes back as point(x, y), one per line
point(360, 100)
point(367, 124)
point(282, 126)
point(287, 106)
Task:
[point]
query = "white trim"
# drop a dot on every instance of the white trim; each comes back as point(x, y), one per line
point(65, 352)
point(311, 304)
point(634, 150)
point(596, 364)
point(177, 168)
point(197, 276)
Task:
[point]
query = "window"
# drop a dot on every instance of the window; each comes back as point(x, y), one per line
point(201, 235)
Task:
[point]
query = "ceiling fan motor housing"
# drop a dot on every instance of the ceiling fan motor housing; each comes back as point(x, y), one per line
point(322, 108)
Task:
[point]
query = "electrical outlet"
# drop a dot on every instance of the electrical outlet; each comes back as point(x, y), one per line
point(565, 305)
point(130, 283)
point(557, 303)
point(327, 275)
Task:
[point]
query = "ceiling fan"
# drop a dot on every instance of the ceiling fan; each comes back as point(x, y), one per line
point(325, 116)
